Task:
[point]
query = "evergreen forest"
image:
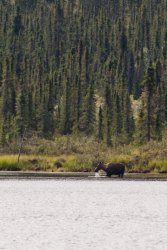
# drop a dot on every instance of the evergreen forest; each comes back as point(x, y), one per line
point(93, 68)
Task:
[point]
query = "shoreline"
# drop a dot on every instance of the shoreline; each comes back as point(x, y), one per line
point(46, 175)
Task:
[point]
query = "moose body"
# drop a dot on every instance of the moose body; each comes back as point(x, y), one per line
point(112, 169)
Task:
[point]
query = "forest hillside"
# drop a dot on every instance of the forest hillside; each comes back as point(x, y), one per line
point(96, 69)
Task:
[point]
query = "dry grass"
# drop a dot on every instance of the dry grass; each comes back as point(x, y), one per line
point(82, 154)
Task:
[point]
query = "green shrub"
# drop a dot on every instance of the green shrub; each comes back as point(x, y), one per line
point(8, 165)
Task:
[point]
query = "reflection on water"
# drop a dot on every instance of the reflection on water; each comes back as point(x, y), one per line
point(84, 214)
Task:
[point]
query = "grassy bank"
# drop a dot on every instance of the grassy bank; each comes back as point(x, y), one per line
point(73, 154)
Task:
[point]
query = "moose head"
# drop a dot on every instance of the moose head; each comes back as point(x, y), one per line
point(99, 166)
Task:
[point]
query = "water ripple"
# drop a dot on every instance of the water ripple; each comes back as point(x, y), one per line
point(72, 215)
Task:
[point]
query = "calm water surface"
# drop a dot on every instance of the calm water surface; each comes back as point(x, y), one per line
point(69, 214)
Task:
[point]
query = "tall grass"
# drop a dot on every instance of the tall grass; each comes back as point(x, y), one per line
point(82, 154)
point(9, 163)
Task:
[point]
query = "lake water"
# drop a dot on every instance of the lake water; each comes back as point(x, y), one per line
point(70, 214)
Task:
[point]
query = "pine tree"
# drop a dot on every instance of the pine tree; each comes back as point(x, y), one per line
point(109, 111)
point(52, 50)
point(148, 105)
point(159, 100)
point(128, 121)
point(91, 111)
point(117, 120)
point(67, 120)
point(88, 115)
point(100, 125)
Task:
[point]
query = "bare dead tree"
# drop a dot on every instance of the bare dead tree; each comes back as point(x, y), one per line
point(21, 145)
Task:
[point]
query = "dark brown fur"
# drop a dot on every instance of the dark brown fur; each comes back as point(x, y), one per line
point(112, 169)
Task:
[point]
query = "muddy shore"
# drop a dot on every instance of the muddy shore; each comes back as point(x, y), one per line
point(36, 175)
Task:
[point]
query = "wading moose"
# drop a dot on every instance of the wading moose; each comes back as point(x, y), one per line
point(111, 169)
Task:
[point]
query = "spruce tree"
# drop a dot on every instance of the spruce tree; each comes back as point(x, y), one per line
point(52, 50)
point(100, 125)
point(148, 105)
point(109, 112)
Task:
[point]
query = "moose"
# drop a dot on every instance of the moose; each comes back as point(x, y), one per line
point(112, 169)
